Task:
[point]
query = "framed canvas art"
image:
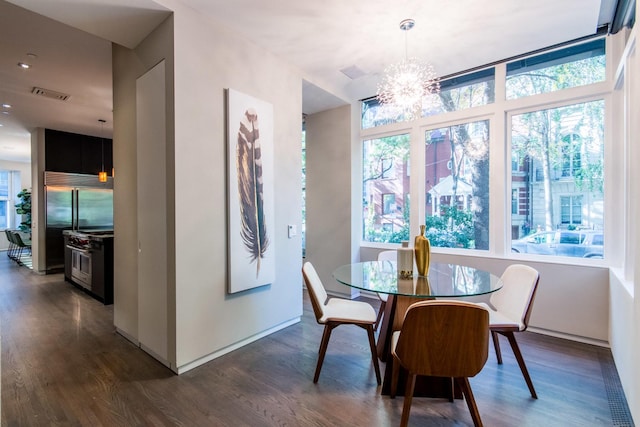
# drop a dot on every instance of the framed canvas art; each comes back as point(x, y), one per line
point(250, 189)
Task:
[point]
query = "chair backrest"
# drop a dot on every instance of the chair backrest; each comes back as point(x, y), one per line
point(515, 299)
point(388, 255)
point(17, 239)
point(317, 293)
point(444, 338)
point(9, 234)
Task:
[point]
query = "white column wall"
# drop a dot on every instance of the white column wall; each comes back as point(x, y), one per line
point(328, 172)
point(209, 59)
point(624, 321)
point(204, 59)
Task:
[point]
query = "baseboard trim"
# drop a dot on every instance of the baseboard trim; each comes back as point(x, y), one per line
point(201, 361)
point(570, 337)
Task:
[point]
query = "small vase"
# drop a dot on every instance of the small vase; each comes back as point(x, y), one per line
point(405, 261)
point(422, 250)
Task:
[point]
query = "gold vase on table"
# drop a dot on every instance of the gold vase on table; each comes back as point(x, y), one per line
point(422, 251)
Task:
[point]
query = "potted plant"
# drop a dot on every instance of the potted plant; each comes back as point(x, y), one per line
point(24, 208)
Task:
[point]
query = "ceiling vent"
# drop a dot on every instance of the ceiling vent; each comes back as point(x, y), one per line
point(353, 72)
point(50, 94)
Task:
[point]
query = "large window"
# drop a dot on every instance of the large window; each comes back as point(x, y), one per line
point(565, 148)
point(385, 199)
point(457, 182)
point(547, 195)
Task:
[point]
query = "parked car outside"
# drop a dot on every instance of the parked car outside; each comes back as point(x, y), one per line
point(572, 243)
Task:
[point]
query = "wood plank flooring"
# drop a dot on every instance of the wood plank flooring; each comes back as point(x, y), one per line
point(63, 364)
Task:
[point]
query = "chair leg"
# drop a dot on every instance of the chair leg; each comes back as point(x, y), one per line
point(323, 349)
point(374, 352)
point(380, 313)
point(496, 345)
point(463, 383)
point(516, 351)
point(395, 375)
point(408, 397)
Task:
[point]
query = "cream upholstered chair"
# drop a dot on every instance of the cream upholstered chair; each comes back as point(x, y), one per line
point(510, 309)
point(333, 312)
point(391, 255)
point(441, 339)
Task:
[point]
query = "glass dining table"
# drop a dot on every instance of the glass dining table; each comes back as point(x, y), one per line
point(443, 280)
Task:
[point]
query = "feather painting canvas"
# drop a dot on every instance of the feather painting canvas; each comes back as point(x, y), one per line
point(251, 192)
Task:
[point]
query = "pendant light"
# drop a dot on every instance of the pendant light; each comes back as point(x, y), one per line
point(102, 175)
point(405, 84)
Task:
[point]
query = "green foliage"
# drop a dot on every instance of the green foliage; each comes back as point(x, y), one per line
point(590, 177)
point(453, 229)
point(24, 208)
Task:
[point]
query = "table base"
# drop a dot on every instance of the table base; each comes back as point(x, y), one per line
point(440, 387)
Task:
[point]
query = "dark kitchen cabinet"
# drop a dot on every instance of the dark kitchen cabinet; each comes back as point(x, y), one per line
point(75, 153)
point(102, 270)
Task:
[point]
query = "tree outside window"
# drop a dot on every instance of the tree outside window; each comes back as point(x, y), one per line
point(385, 190)
point(457, 179)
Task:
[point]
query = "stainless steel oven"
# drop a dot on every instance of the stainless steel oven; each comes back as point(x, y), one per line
point(81, 261)
point(81, 267)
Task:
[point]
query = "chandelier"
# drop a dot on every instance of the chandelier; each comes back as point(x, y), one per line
point(406, 83)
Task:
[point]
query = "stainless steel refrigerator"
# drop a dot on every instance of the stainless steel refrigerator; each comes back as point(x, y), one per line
point(74, 202)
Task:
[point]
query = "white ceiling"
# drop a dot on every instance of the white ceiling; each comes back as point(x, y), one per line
point(72, 44)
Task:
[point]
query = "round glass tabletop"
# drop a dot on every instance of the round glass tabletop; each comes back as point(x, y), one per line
point(442, 280)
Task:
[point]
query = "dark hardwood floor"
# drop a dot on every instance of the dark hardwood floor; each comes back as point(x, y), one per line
point(63, 364)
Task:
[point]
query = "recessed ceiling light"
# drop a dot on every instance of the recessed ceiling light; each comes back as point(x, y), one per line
point(24, 65)
point(5, 112)
point(1, 125)
point(6, 105)
point(32, 55)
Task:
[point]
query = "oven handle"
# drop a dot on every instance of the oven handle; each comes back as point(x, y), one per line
point(84, 251)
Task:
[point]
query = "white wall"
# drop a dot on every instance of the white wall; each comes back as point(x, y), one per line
point(203, 320)
point(328, 196)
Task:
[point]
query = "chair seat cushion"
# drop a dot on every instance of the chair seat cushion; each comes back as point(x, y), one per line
point(344, 310)
point(498, 320)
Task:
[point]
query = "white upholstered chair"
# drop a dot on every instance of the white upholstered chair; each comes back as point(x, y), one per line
point(391, 255)
point(510, 309)
point(333, 312)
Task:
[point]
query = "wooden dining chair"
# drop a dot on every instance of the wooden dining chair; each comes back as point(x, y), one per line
point(333, 312)
point(510, 309)
point(391, 255)
point(441, 339)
